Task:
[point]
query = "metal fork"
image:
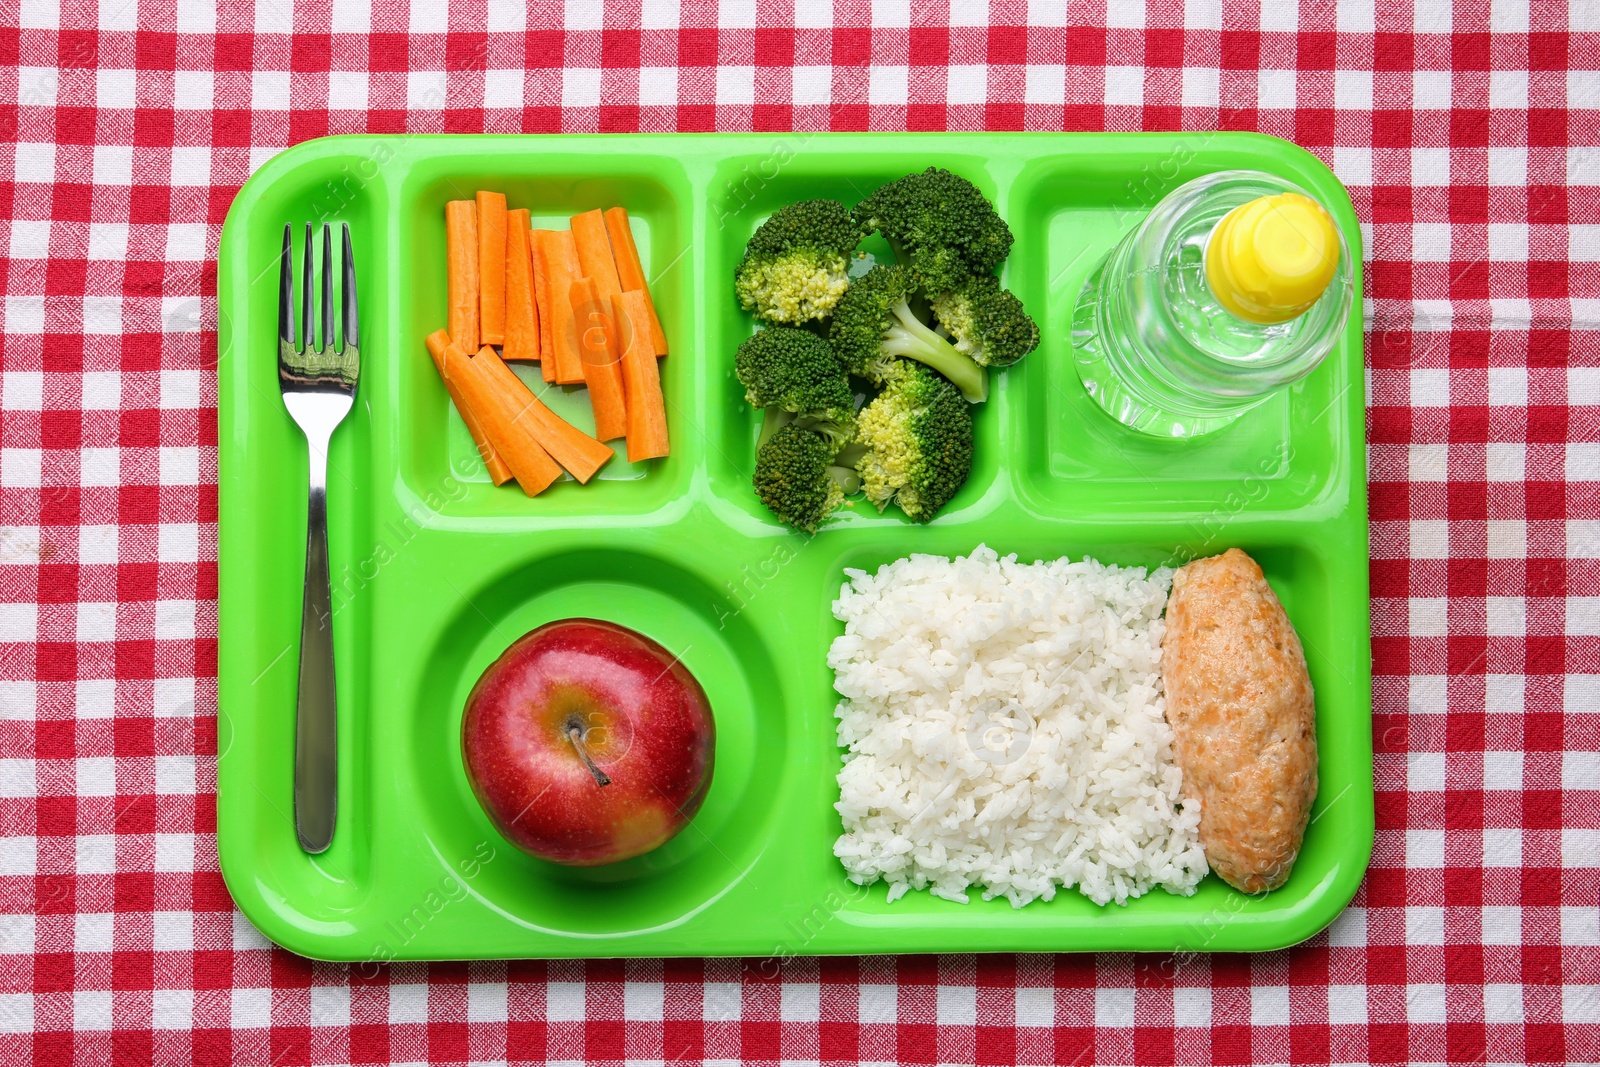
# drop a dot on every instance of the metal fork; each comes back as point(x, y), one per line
point(319, 388)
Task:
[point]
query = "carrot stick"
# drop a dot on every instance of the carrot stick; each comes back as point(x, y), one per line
point(641, 378)
point(630, 272)
point(569, 446)
point(514, 443)
point(499, 473)
point(492, 267)
point(560, 260)
point(602, 371)
point(522, 312)
point(461, 250)
point(594, 255)
point(541, 299)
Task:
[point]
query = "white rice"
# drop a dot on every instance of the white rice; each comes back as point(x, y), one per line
point(1006, 729)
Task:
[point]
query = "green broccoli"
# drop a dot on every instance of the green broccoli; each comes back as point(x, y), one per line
point(794, 266)
point(874, 323)
point(986, 322)
point(917, 436)
point(795, 376)
point(797, 480)
point(940, 226)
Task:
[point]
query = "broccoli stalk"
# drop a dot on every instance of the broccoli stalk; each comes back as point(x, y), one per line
point(874, 324)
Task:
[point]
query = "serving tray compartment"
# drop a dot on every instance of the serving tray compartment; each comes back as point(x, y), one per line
point(436, 571)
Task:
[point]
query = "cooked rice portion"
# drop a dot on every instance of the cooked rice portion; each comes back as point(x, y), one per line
point(1005, 726)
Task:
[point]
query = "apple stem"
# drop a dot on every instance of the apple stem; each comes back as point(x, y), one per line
point(576, 736)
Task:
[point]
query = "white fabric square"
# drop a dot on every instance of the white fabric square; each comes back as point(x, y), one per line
point(175, 854)
point(894, 14)
point(97, 621)
point(174, 697)
point(1583, 242)
point(99, 466)
point(1275, 88)
point(1191, 1006)
point(17, 933)
point(1583, 616)
point(22, 390)
point(175, 775)
point(1579, 847)
point(800, 1002)
point(114, 88)
point(736, 85)
point(1425, 1000)
point(1502, 848)
point(1352, 90)
point(1429, 616)
point(24, 314)
point(1044, 83)
point(1125, 86)
point(1425, 926)
point(1502, 1003)
point(36, 163)
point(806, 16)
point(580, 87)
point(957, 1005)
point(37, 86)
point(18, 703)
point(1508, 89)
point(1430, 694)
point(101, 389)
point(1430, 166)
point(425, 89)
point(174, 620)
point(1508, 165)
point(352, 16)
point(1583, 89)
point(17, 776)
point(808, 86)
point(564, 1001)
point(1353, 165)
point(172, 931)
point(1578, 768)
point(1507, 616)
point(1113, 1007)
point(108, 240)
point(721, 1002)
point(1430, 539)
point(1347, 1005)
point(94, 698)
point(113, 164)
point(178, 542)
point(1124, 15)
point(1349, 930)
point(1425, 773)
point(887, 85)
point(874, 1004)
point(172, 1009)
point(186, 241)
point(1430, 242)
point(1508, 241)
point(967, 84)
point(408, 1003)
point(1580, 1005)
point(488, 1002)
point(1583, 385)
point(251, 1009)
point(330, 1005)
point(1430, 388)
point(1035, 1006)
point(584, 15)
point(193, 90)
point(97, 544)
point(1507, 461)
point(734, 14)
point(1508, 386)
point(1269, 1005)
point(1502, 770)
point(20, 855)
point(21, 468)
point(92, 932)
point(1580, 925)
point(91, 1009)
point(30, 238)
point(1583, 461)
point(1507, 539)
point(179, 466)
point(16, 1009)
point(19, 621)
point(1202, 86)
point(347, 90)
point(658, 86)
point(191, 166)
point(1431, 91)
point(180, 389)
point(97, 776)
point(505, 16)
point(644, 1001)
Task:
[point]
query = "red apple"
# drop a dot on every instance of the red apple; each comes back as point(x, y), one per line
point(588, 743)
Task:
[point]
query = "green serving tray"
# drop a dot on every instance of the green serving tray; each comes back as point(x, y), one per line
point(436, 571)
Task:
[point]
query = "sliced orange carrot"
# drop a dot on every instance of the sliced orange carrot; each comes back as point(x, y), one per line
point(499, 473)
point(602, 371)
point(529, 462)
point(541, 300)
point(630, 272)
point(461, 249)
point(492, 267)
point(594, 254)
point(522, 312)
point(569, 446)
point(641, 378)
point(560, 261)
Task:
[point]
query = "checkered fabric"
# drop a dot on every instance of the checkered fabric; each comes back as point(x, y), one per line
point(1470, 142)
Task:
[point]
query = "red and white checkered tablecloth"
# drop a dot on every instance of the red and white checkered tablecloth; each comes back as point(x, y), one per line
point(1470, 142)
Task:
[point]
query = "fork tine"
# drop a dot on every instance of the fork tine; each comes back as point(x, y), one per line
point(305, 295)
point(349, 320)
point(327, 289)
point(286, 289)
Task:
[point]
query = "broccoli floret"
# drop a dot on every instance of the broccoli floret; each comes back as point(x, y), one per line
point(918, 439)
point(986, 322)
point(795, 376)
point(794, 266)
point(940, 226)
point(796, 479)
point(874, 323)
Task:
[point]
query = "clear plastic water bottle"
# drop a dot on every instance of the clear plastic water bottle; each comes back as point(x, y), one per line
point(1235, 286)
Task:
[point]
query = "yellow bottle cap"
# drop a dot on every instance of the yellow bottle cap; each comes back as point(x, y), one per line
point(1271, 259)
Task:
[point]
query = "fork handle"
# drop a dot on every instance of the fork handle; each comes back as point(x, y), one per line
point(316, 768)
